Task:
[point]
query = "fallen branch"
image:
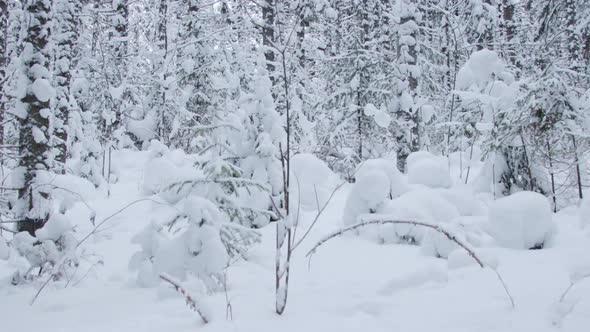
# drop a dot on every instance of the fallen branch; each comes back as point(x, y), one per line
point(375, 219)
point(190, 301)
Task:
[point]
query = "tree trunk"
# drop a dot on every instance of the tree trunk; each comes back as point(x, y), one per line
point(3, 64)
point(34, 128)
point(66, 14)
point(409, 62)
point(268, 40)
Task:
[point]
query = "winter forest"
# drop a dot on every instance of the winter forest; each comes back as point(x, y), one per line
point(295, 165)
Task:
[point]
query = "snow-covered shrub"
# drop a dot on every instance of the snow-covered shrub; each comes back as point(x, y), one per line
point(310, 176)
point(429, 170)
point(243, 201)
point(188, 244)
point(368, 195)
point(521, 221)
point(423, 204)
point(397, 182)
point(50, 251)
point(464, 201)
point(469, 230)
point(417, 156)
point(67, 189)
point(438, 245)
point(165, 168)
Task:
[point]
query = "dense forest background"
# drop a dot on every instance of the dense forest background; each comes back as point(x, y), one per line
point(243, 86)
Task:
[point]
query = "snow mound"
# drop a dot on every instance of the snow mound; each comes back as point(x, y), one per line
point(418, 156)
point(521, 221)
point(368, 195)
point(429, 170)
point(312, 175)
point(166, 168)
point(397, 182)
point(425, 205)
point(464, 201)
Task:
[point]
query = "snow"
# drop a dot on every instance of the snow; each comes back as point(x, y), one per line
point(312, 176)
point(54, 228)
point(367, 195)
point(165, 167)
point(521, 221)
point(43, 90)
point(144, 129)
point(429, 170)
point(585, 213)
point(397, 183)
point(421, 204)
point(4, 250)
point(381, 117)
point(349, 284)
point(482, 66)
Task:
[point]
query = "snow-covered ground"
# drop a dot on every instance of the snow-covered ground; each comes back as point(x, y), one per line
point(350, 284)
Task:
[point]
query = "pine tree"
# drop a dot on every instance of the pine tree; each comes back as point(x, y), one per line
point(32, 208)
point(66, 34)
point(408, 114)
point(3, 62)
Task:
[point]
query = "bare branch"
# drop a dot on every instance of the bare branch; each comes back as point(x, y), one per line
point(384, 219)
point(190, 301)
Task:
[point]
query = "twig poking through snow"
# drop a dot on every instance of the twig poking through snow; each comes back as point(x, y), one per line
point(376, 219)
point(572, 284)
point(190, 301)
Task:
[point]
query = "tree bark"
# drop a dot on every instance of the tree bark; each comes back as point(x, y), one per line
point(34, 128)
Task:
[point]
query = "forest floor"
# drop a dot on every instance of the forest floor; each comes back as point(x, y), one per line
point(351, 284)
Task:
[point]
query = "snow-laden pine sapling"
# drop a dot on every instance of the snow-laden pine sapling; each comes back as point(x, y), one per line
point(376, 219)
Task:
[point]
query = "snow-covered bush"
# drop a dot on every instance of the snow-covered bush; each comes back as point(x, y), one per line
point(464, 201)
point(368, 195)
point(397, 182)
point(437, 244)
point(429, 170)
point(521, 221)
point(417, 156)
point(312, 176)
point(166, 167)
point(421, 204)
point(210, 201)
point(51, 251)
point(188, 244)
